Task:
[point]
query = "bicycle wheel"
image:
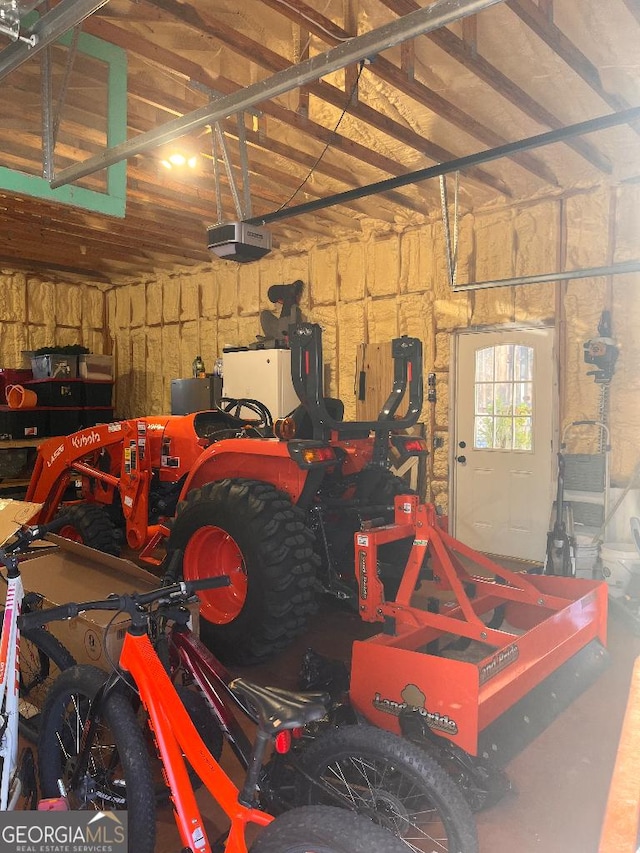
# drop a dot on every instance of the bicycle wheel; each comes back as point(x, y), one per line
point(395, 784)
point(118, 774)
point(323, 829)
point(42, 659)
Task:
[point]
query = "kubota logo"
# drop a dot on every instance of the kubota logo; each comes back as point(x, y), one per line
point(79, 441)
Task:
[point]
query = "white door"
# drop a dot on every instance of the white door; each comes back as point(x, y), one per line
point(503, 483)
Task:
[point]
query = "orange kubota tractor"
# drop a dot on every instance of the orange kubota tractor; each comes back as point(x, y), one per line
point(273, 506)
point(309, 504)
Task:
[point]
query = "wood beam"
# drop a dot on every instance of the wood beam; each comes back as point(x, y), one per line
point(379, 67)
point(189, 70)
point(553, 37)
point(274, 62)
point(456, 47)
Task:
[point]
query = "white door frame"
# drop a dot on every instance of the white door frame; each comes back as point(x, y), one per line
point(453, 424)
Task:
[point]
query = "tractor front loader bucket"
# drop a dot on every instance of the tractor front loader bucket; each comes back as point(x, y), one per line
point(491, 649)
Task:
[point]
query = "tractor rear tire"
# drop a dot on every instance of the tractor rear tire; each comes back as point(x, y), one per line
point(90, 524)
point(249, 530)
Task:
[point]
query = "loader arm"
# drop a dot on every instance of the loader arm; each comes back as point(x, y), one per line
point(60, 458)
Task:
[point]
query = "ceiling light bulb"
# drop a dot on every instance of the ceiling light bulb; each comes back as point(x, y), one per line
point(192, 162)
point(166, 164)
point(178, 159)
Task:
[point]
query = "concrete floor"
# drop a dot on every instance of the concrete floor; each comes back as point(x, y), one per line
point(561, 780)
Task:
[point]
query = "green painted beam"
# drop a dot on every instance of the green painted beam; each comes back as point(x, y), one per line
point(113, 201)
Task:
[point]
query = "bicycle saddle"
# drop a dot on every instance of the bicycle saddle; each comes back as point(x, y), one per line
point(276, 709)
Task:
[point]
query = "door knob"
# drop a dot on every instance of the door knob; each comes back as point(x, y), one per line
point(462, 444)
point(461, 459)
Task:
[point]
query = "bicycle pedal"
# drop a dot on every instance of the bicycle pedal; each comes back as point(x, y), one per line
point(54, 804)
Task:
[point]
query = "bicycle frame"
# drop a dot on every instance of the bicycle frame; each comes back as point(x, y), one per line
point(177, 739)
point(10, 783)
point(213, 681)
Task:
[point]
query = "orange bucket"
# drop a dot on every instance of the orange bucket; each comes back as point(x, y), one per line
point(20, 398)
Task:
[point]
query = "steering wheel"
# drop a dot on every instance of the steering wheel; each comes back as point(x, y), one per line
point(234, 406)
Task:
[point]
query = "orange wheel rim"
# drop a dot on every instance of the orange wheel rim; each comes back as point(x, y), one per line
point(212, 552)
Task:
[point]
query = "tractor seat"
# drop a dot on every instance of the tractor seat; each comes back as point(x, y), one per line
point(216, 424)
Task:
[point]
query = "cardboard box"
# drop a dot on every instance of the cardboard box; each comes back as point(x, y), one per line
point(13, 514)
point(92, 366)
point(62, 571)
point(73, 572)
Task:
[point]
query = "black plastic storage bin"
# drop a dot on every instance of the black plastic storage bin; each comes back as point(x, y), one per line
point(64, 421)
point(93, 417)
point(97, 394)
point(23, 423)
point(57, 392)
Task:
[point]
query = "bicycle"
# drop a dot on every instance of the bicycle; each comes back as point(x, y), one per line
point(93, 752)
point(334, 761)
point(29, 661)
point(367, 770)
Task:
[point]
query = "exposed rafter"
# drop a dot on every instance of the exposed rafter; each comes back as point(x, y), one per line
point(543, 26)
point(468, 56)
point(432, 102)
point(436, 15)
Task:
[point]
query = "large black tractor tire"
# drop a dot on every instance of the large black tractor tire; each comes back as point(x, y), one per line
point(252, 532)
point(91, 525)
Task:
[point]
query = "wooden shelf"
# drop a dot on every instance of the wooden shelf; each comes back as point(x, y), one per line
point(13, 443)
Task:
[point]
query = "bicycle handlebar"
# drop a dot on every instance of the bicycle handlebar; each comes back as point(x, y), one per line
point(130, 603)
point(26, 535)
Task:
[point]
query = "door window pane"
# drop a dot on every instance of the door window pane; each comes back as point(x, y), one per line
point(484, 398)
point(483, 433)
point(504, 398)
point(484, 365)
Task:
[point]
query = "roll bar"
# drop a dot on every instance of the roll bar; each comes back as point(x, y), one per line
point(307, 373)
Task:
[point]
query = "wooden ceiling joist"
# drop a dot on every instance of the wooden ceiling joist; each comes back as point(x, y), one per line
point(408, 114)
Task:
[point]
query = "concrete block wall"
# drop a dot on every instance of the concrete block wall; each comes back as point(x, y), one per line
point(395, 282)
